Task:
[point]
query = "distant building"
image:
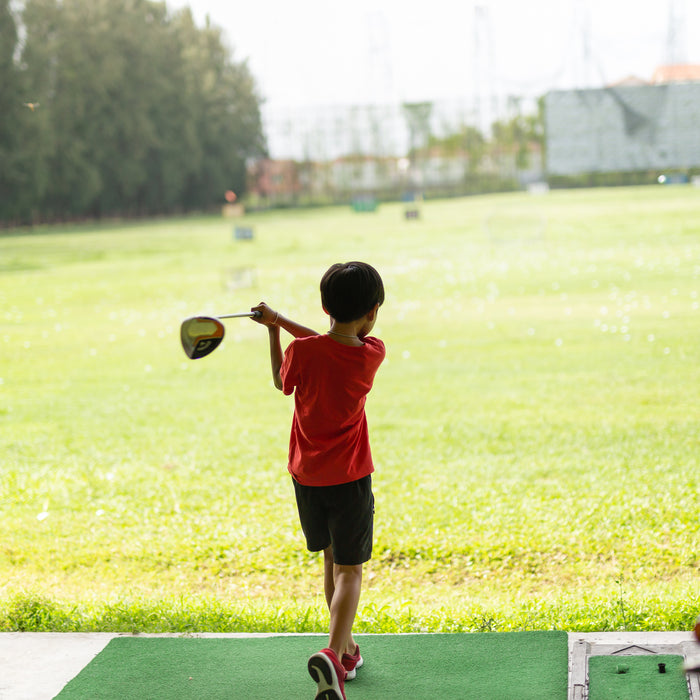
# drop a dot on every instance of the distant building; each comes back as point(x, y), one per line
point(274, 181)
point(624, 128)
point(629, 81)
point(677, 73)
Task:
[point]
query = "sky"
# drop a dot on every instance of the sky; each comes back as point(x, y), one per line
point(321, 52)
point(310, 55)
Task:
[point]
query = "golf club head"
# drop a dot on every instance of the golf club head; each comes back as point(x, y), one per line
point(201, 335)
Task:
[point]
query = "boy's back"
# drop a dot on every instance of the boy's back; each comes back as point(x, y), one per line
point(329, 442)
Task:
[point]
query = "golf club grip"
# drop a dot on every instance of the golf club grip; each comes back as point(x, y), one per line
point(245, 314)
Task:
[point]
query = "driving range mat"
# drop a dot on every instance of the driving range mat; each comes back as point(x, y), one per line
point(633, 677)
point(515, 665)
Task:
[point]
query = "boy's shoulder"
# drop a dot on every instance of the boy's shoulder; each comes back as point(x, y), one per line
point(375, 343)
point(323, 343)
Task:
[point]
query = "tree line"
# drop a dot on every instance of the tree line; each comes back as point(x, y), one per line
point(119, 108)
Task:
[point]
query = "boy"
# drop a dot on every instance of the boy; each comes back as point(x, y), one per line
point(329, 453)
point(693, 664)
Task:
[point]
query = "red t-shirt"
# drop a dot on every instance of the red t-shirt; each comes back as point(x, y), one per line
point(329, 443)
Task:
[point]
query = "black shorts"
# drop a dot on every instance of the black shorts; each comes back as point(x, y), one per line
point(341, 516)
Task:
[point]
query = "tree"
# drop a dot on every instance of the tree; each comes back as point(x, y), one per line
point(417, 115)
point(225, 113)
point(9, 109)
point(467, 139)
point(140, 112)
point(518, 134)
point(22, 124)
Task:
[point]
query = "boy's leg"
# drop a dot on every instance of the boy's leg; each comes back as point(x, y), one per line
point(329, 574)
point(347, 581)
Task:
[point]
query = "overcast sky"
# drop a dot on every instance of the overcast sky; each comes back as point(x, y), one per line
point(321, 52)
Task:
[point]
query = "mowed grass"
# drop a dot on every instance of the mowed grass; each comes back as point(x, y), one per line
point(535, 425)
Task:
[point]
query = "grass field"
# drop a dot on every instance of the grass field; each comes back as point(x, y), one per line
point(535, 426)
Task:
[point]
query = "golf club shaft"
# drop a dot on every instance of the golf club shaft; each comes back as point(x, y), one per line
point(246, 314)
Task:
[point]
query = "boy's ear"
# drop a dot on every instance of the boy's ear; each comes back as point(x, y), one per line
point(372, 313)
point(325, 310)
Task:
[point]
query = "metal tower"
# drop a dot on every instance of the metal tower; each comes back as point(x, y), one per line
point(484, 95)
point(676, 35)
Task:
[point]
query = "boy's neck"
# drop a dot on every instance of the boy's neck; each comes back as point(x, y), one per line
point(345, 333)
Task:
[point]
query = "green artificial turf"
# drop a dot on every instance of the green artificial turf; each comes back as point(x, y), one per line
point(636, 677)
point(520, 666)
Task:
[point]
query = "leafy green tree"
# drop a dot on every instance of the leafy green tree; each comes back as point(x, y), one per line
point(467, 139)
point(140, 112)
point(174, 153)
point(417, 116)
point(518, 134)
point(21, 173)
point(225, 113)
point(9, 109)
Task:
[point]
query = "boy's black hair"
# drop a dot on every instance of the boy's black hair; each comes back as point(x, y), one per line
point(350, 290)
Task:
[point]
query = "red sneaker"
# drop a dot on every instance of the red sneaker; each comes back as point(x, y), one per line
point(351, 663)
point(329, 675)
point(693, 664)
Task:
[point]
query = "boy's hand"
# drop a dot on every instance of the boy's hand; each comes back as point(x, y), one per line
point(276, 322)
point(268, 317)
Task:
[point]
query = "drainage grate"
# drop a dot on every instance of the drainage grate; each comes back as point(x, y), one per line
point(583, 646)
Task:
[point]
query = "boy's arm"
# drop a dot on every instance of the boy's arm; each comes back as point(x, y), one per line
point(296, 329)
point(274, 321)
point(268, 317)
point(276, 355)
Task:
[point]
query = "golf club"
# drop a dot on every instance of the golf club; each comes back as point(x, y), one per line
point(201, 335)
